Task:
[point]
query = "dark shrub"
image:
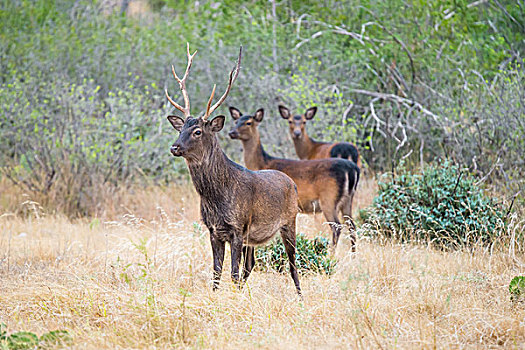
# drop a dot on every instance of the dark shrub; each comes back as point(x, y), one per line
point(443, 205)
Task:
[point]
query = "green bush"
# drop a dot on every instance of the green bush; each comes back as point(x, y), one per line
point(517, 288)
point(28, 340)
point(443, 205)
point(312, 255)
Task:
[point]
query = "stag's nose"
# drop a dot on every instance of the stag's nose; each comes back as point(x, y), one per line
point(297, 133)
point(233, 134)
point(175, 150)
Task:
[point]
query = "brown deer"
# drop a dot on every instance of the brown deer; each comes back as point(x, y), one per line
point(307, 148)
point(242, 207)
point(330, 183)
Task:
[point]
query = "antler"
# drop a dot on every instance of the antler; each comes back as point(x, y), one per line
point(182, 84)
point(233, 75)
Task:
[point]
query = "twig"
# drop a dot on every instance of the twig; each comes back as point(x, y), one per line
point(511, 204)
point(404, 140)
point(490, 172)
point(347, 111)
point(304, 41)
point(457, 183)
point(508, 14)
point(450, 14)
point(407, 155)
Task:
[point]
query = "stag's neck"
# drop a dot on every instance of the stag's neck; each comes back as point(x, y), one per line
point(214, 173)
point(304, 146)
point(255, 157)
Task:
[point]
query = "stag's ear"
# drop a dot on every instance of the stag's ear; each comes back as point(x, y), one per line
point(285, 112)
point(217, 123)
point(236, 114)
point(258, 117)
point(310, 113)
point(176, 122)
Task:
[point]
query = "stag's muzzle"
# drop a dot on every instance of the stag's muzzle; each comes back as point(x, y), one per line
point(176, 150)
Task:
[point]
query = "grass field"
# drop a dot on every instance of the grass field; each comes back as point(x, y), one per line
point(142, 280)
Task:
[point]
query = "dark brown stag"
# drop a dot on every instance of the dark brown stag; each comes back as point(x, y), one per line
point(242, 207)
point(328, 184)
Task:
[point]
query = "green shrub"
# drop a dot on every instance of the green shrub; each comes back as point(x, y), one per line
point(443, 205)
point(28, 340)
point(312, 255)
point(517, 288)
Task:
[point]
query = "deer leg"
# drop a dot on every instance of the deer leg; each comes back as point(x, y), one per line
point(330, 213)
point(236, 251)
point(288, 237)
point(249, 261)
point(217, 247)
point(335, 225)
point(346, 209)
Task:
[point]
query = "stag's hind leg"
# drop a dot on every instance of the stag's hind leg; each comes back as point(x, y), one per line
point(288, 237)
point(249, 261)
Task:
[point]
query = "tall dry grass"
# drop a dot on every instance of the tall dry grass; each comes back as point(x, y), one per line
point(140, 278)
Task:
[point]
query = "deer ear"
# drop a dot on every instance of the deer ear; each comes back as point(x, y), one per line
point(217, 123)
point(236, 114)
point(259, 115)
point(176, 122)
point(310, 113)
point(285, 112)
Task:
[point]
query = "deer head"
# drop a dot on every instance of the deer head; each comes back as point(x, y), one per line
point(197, 134)
point(297, 123)
point(245, 125)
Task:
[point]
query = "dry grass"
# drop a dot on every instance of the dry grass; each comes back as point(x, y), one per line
point(94, 279)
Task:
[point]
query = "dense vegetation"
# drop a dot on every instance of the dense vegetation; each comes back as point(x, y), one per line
point(444, 205)
point(313, 256)
point(82, 107)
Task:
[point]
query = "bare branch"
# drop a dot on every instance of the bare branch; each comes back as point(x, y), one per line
point(403, 100)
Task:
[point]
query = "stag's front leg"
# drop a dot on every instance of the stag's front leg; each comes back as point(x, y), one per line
point(217, 247)
point(236, 250)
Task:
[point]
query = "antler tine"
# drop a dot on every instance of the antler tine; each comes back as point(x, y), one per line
point(175, 104)
point(182, 84)
point(190, 61)
point(210, 101)
point(233, 75)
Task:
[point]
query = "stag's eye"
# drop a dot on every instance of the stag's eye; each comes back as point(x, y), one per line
point(249, 123)
point(197, 133)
